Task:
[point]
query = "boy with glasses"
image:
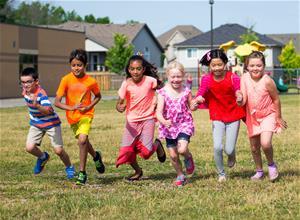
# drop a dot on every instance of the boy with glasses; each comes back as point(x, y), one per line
point(43, 120)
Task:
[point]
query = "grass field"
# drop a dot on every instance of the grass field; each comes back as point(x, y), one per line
point(108, 196)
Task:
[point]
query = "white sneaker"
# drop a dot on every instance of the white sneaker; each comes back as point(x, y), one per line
point(221, 179)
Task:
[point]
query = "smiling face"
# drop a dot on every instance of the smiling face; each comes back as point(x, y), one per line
point(217, 67)
point(175, 78)
point(29, 84)
point(136, 70)
point(256, 68)
point(77, 68)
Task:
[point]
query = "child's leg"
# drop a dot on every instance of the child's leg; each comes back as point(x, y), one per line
point(34, 150)
point(218, 132)
point(174, 156)
point(59, 151)
point(232, 131)
point(83, 150)
point(255, 150)
point(91, 150)
point(138, 171)
point(266, 144)
point(34, 139)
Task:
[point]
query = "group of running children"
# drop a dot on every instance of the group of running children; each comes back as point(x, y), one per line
point(253, 98)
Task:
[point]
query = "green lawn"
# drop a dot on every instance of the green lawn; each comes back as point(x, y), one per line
point(108, 196)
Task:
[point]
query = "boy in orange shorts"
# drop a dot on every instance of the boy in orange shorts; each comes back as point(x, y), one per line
point(77, 88)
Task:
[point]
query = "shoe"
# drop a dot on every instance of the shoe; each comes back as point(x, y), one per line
point(231, 160)
point(189, 165)
point(98, 163)
point(222, 179)
point(273, 173)
point(81, 179)
point(259, 175)
point(135, 178)
point(40, 164)
point(180, 181)
point(70, 171)
point(162, 158)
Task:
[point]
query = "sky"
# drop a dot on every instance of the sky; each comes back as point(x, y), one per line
point(266, 16)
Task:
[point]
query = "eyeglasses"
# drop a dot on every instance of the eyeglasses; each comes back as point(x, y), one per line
point(28, 82)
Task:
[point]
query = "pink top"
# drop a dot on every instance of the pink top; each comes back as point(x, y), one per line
point(140, 98)
point(259, 106)
point(177, 110)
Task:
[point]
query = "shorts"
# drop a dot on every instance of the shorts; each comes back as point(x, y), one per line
point(173, 142)
point(82, 127)
point(35, 136)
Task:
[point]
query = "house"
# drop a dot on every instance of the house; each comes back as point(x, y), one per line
point(30, 46)
point(176, 35)
point(285, 38)
point(100, 37)
point(190, 51)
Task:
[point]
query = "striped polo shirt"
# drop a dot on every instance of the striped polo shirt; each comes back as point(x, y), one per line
point(38, 119)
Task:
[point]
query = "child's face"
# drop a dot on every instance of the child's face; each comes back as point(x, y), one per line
point(136, 70)
point(217, 66)
point(175, 78)
point(77, 68)
point(256, 68)
point(29, 84)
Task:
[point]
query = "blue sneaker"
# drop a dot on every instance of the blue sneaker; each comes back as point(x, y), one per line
point(70, 171)
point(40, 164)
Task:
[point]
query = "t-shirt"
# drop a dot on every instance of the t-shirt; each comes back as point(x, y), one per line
point(78, 90)
point(38, 119)
point(140, 98)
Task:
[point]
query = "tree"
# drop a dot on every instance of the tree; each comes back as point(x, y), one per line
point(249, 36)
point(104, 20)
point(132, 22)
point(90, 18)
point(118, 55)
point(6, 11)
point(288, 58)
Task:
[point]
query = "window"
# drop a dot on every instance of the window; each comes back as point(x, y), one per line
point(147, 54)
point(28, 60)
point(191, 52)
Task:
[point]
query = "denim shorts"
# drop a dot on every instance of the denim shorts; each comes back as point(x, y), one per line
point(173, 142)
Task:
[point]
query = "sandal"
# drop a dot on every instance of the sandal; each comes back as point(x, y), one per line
point(135, 178)
point(159, 145)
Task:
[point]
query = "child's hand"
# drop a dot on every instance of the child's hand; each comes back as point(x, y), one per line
point(167, 123)
point(239, 98)
point(33, 98)
point(121, 107)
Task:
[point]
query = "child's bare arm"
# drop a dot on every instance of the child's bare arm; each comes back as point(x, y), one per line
point(271, 87)
point(159, 111)
point(192, 105)
point(96, 99)
point(58, 103)
point(241, 95)
point(120, 106)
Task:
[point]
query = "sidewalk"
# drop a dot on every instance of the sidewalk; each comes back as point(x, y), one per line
point(9, 103)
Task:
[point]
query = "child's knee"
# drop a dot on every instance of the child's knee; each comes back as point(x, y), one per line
point(30, 147)
point(266, 144)
point(82, 140)
point(58, 151)
point(174, 157)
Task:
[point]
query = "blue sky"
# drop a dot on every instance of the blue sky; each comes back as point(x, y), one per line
point(268, 16)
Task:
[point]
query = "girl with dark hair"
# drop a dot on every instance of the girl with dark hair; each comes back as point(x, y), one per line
point(219, 89)
point(138, 91)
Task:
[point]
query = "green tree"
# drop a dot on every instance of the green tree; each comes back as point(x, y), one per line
point(249, 36)
point(103, 20)
point(288, 58)
point(132, 22)
point(118, 55)
point(90, 18)
point(73, 16)
point(6, 11)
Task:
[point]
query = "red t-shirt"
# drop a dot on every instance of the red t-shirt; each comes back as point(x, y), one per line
point(222, 101)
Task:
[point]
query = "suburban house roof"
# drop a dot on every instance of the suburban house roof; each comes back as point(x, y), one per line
point(225, 33)
point(188, 31)
point(285, 38)
point(103, 34)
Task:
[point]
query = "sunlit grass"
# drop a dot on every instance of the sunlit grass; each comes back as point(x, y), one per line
point(109, 196)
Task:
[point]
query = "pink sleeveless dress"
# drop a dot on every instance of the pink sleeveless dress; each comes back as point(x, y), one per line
point(176, 109)
point(260, 111)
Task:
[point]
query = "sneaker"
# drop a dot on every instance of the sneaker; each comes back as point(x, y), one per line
point(82, 177)
point(259, 175)
point(231, 160)
point(221, 179)
point(273, 172)
point(159, 145)
point(40, 164)
point(70, 171)
point(189, 165)
point(98, 163)
point(180, 181)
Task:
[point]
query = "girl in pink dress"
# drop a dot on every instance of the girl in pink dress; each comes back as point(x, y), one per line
point(176, 122)
point(137, 97)
point(263, 112)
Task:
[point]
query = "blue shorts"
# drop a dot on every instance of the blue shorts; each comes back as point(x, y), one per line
point(173, 142)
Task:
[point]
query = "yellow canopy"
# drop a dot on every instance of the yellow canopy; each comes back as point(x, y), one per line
point(227, 45)
point(246, 49)
point(258, 46)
